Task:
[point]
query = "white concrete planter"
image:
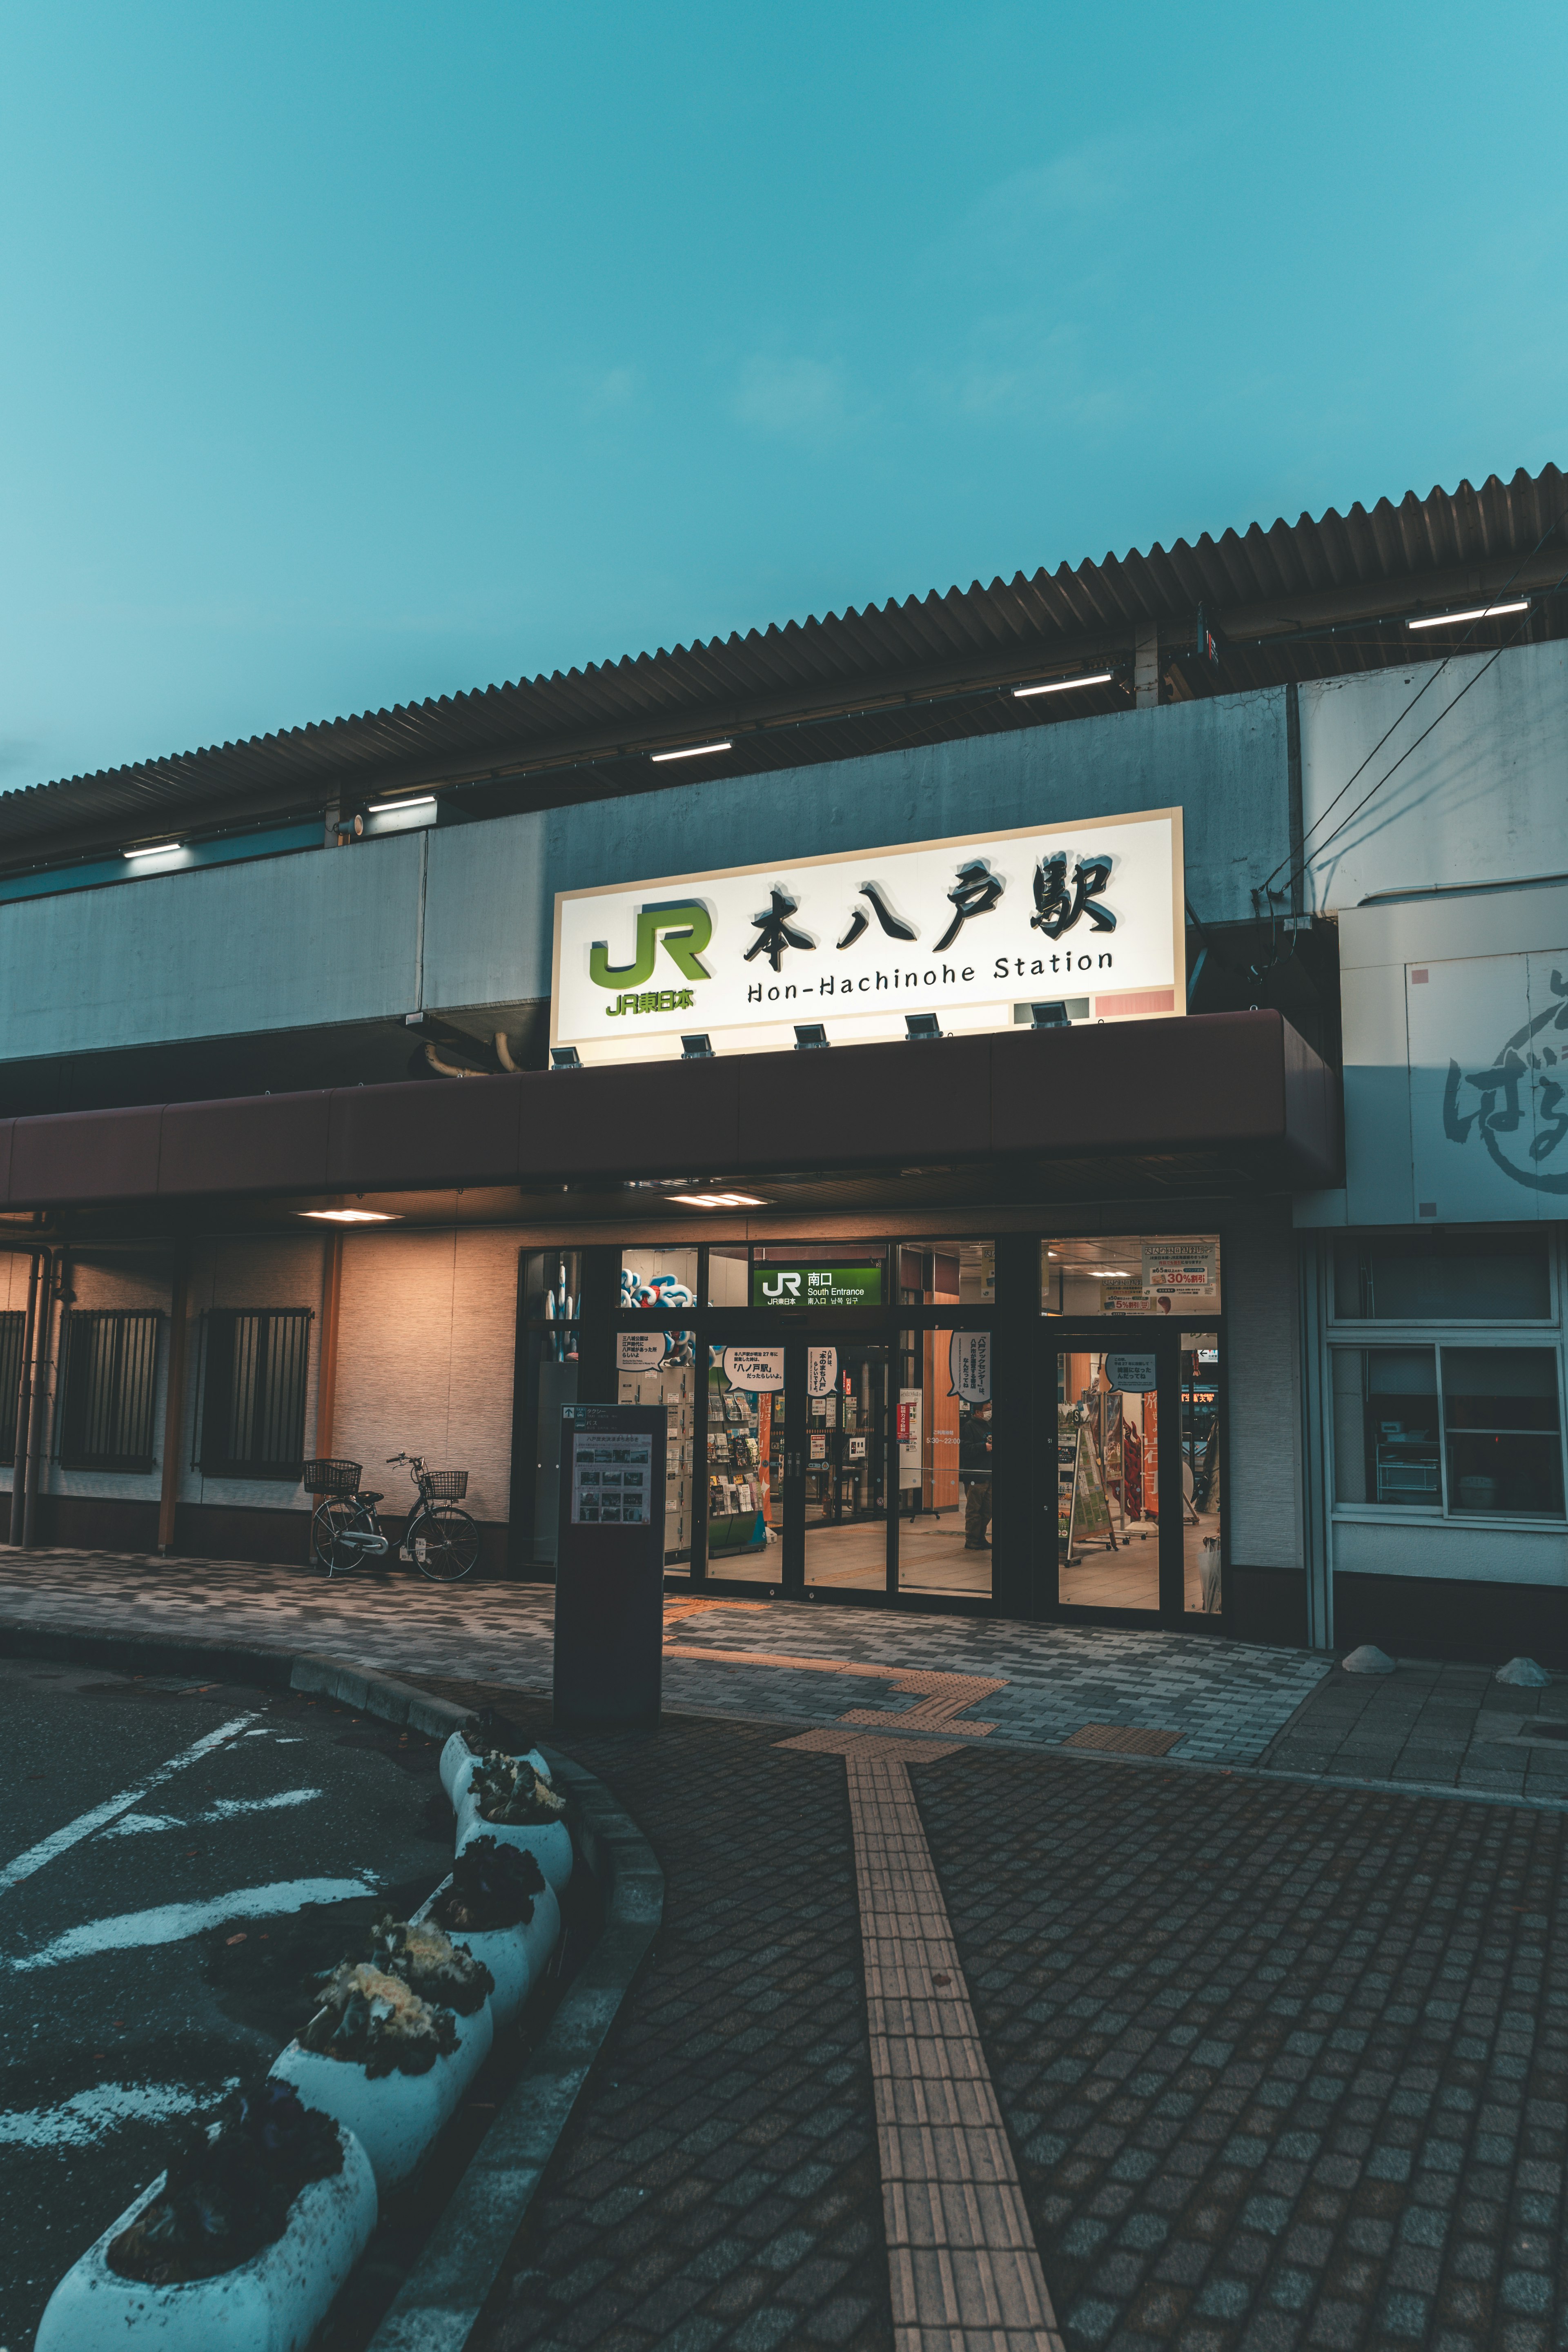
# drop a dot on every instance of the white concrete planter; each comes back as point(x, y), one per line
point(457, 1766)
point(504, 1951)
point(550, 1842)
point(396, 2116)
point(274, 2303)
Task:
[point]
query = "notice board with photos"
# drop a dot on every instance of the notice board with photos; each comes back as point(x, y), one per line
point(609, 1564)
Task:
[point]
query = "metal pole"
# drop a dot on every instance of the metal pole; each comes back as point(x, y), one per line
point(23, 1403)
point(37, 1419)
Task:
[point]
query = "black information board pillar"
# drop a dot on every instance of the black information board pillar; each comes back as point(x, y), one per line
point(609, 1565)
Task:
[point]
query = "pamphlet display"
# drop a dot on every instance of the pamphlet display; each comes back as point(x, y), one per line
point(609, 1569)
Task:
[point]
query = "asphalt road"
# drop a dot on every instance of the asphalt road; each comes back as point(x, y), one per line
point(177, 1859)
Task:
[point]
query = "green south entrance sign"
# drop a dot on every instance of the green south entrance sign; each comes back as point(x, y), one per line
point(817, 1286)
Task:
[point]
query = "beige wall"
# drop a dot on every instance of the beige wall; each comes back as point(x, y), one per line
point(425, 1341)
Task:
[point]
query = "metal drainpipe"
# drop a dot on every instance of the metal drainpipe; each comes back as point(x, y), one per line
point(38, 1419)
point(25, 1399)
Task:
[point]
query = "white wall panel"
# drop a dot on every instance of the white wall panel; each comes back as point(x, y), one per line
point(281, 943)
point(424, 1359)
point(1480, 799)
point(1483, 1555)
point(1263, 1378)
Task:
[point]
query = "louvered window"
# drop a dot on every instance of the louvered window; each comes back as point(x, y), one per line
point(109, 1385)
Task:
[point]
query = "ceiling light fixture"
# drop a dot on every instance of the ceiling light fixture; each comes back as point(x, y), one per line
point(390, 808)
point(156, 849)
point(1480, 613)
point(718, 1199)
point(351, 1216)
point(1063, 685)
point(691, 751)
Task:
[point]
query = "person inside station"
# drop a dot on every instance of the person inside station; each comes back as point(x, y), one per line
point(974, 1452)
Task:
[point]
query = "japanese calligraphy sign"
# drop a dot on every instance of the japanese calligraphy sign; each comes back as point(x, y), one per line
point(976, 929)
point(1489, 1065)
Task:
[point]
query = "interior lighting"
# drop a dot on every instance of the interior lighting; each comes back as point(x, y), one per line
point(1063, 685)
point(718, 1199)
point(691, 751)
point(390, 808)
point(1480, 613)
point(155, 849)
point(351, 1216)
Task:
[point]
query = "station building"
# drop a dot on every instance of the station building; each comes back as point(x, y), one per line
point(1057, 1088)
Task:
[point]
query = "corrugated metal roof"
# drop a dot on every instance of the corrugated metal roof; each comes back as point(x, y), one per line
point(1298, 600)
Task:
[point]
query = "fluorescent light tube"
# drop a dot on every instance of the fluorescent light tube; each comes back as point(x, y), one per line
point(691, 751)
point(351, 1216)
point(1063, 685)
point(718, 1199)
point(1478, 613)
point(387, 808)
point(159, 849)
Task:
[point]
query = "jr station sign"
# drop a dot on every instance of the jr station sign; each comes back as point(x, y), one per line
point(1086, 918)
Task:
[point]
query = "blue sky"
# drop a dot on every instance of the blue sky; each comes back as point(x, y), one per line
point(356, 353)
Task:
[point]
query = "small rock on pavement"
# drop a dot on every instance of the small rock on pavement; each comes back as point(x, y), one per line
point(1523, 1674)
point(1369, 1660)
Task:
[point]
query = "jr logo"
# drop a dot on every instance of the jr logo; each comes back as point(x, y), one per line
point(685, 925)
point(783, 1285)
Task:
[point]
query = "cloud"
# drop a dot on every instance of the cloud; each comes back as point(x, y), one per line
point(799, 399)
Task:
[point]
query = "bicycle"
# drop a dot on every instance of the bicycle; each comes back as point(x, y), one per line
point(442, 1541)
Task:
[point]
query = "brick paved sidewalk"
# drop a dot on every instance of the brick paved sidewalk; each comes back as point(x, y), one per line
point(1280, 2066)
point(1224, 1702)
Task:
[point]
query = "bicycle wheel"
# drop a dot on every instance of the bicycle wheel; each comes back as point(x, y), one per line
point(444, 1542)
point(332, 1516)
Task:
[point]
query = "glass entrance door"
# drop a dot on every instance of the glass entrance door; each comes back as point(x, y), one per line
point(844, 1482)
point(1132, 1426)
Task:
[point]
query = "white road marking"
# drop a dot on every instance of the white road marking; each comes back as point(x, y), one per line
point(82, 2119)
point(172, 1923)
point(61, 1841)
point(227, 1808)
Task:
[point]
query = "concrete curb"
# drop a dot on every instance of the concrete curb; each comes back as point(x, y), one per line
point(439, 2301)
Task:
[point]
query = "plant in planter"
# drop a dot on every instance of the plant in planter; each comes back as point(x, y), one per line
point(499, 1901)
point(507, 1799)
point(489, 1735)
point(246, 2239)
point(390, 2051)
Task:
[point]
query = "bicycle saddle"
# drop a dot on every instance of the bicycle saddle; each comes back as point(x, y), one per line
point(367, 1498)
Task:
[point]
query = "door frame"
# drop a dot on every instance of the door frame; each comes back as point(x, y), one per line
point(1162, 1337)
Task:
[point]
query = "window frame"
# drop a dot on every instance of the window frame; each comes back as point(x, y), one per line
point(1439, 1334)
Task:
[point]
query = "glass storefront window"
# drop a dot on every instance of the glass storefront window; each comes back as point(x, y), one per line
point(658, 1279)
point(1385, 1427)
point(1131, 1274)
point(946, 1273)
point(551, 1290)
point(1474, 1277)
point(1501, 1426)
point(946, 1443)
point(659, 1368)
point(728, 1265)
point(1201, 1531)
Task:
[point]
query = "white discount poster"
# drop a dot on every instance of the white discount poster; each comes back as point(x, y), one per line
point(1084, 917)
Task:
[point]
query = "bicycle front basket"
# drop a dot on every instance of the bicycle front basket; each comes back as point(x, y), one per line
point(446, 1486)
point(332, 1477)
